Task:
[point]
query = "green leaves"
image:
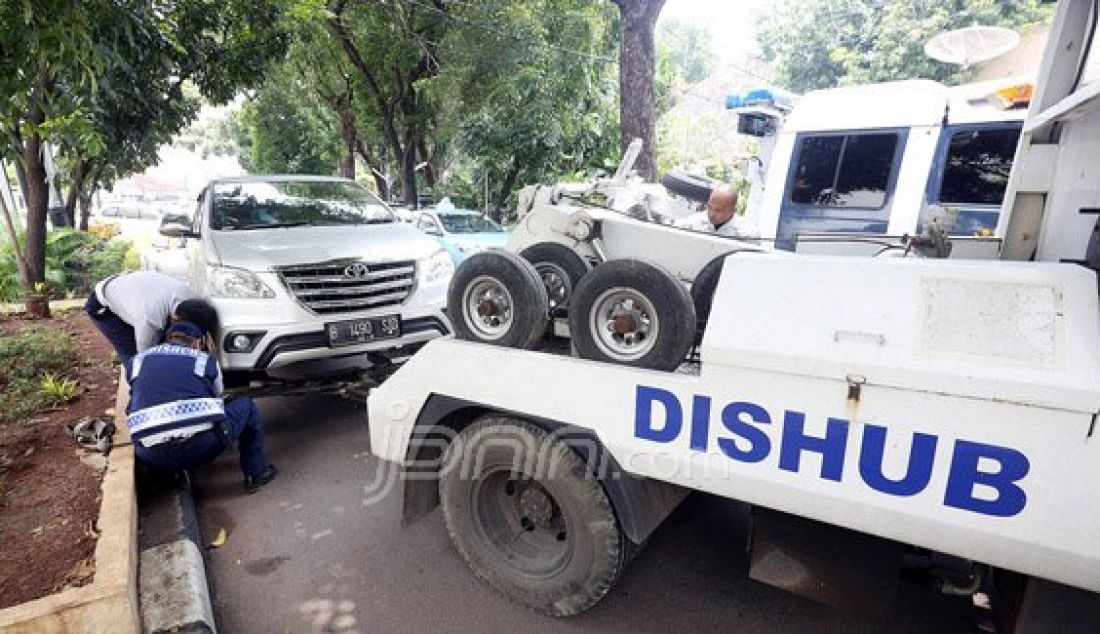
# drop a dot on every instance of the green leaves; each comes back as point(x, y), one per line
point(821, 43)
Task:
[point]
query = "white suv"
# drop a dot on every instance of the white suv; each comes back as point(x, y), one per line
point(304, 268)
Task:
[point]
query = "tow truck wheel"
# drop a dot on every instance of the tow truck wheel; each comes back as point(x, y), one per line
point(496, 297)
point(560, 269)
point(632, 313)
point(527, 517)
point(702, 289)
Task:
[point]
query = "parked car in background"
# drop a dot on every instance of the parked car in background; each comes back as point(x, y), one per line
point(131, 212)
point(461, 231)
point(308, 268)
point(165, 254)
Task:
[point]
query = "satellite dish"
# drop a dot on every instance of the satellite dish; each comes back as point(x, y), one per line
point(971, 45)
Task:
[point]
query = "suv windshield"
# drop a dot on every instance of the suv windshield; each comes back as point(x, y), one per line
point(273, 204)
point(468, 223)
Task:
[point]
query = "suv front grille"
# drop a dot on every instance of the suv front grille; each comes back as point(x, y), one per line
point(350, 286)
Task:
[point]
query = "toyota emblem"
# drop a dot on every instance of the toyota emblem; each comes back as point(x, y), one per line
point(357, 271)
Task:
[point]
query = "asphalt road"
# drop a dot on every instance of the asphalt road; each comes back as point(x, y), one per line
point(306, 553)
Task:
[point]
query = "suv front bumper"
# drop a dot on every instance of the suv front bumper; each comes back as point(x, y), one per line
point(283, 332)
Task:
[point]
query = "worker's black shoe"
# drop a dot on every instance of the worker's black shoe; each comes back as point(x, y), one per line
point(253, 483)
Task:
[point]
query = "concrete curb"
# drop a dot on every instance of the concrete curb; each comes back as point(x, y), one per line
point(59, 305)
point(172, 583)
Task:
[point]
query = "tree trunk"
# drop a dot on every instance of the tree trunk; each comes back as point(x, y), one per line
point(37, 196)
point(637, 66)
point(16, 250)
point(80, 172)
point(85, 197)
point(374, 164)
point(431, 176)
point(349, 132)
point(386, 109)
point(497, 212)
point(85, 209)
point(409, 194)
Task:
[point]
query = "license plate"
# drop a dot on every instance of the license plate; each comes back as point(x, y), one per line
point(357, 331)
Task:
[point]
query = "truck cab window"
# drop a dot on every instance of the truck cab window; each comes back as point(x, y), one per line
point(816, 170)
point(848, 171)
point(977, 167)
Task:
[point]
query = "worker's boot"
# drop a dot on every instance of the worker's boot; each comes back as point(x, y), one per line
point(253, 483)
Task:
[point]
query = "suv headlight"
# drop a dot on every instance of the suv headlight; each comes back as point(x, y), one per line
point(439, 266)
point(232, 283)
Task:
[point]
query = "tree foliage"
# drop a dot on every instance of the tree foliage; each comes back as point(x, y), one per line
point(533, 97)
point(448, 97)
point(824, 43)
point(685, 56)
point(104, 81)
point(289, 130)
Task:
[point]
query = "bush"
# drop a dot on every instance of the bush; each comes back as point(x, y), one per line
point(75, 260)
point(58, 390)
point(26, 359)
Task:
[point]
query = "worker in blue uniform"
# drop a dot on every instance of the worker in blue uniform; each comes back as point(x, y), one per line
point(177, 417)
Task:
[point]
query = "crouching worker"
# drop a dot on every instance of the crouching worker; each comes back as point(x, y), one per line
point(132, 310)
point(177, 418)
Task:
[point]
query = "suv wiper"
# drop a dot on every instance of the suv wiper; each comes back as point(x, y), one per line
point(357, 222)
point(275, 225)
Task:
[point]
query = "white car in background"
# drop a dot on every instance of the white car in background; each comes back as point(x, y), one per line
point(308, 268)
point(168, 255)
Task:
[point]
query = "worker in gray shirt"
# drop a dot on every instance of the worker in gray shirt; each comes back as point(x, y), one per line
point(133, 310)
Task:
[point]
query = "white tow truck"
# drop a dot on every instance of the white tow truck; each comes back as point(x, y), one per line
point(924, 413)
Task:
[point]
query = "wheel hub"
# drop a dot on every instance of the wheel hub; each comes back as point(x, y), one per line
point(535, 505)
point(488, 308)
point(628, 324)
point(522, 521)
point(624, 323)
point(556, 282)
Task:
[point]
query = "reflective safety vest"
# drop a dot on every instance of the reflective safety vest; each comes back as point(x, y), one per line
point(174, 394)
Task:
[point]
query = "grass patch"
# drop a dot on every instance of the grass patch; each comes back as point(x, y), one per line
point(26, 359)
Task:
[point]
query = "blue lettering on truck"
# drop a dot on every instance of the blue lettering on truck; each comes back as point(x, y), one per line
point(998, 469)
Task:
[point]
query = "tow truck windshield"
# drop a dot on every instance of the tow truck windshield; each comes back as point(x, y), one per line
point(287, 203)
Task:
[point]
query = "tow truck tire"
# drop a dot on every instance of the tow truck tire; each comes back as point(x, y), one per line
point(497, 297)
point(632, 313)
point(702, 289)
point(560, 270)
point(691, 186)
point(523, 511)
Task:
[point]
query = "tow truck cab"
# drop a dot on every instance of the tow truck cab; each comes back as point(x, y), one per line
point(874, 160)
